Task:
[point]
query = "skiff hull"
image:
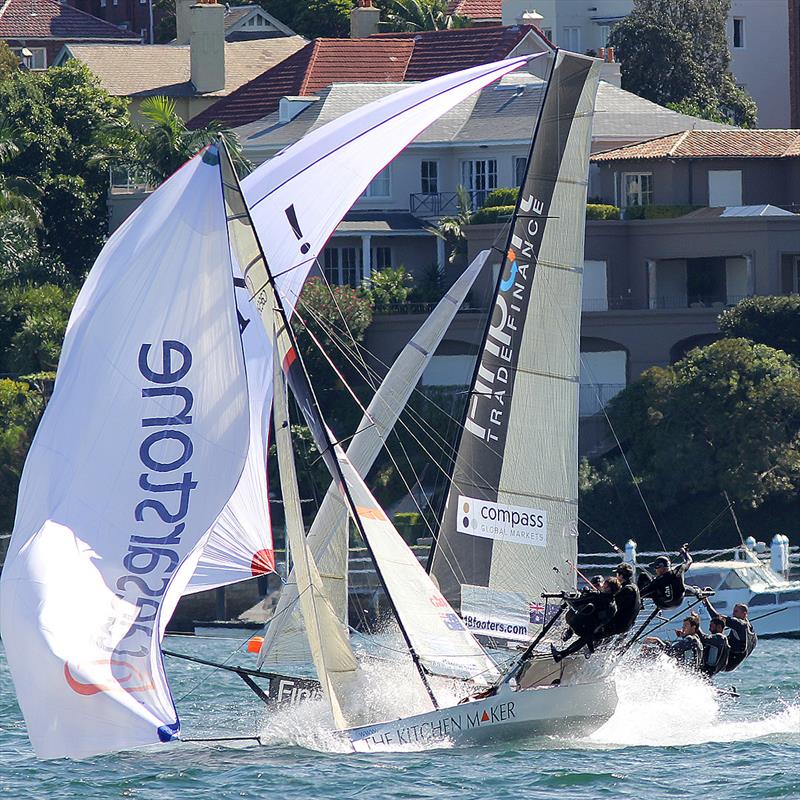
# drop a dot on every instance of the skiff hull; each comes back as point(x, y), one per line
point(575, 710)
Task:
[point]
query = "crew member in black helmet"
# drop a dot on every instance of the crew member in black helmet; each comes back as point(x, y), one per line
point(628, 602)
point(667, 589)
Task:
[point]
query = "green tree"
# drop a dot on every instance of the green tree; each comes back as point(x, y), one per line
point(452, 229)
point(61, 120)
point(33, 320)
point(724, 418)
point(675, 51)
point(420, 15)
point(389, 286)
point(20, 409)
point(9, 63)
point(774, 321)
point(313, 18)
point(164, 143)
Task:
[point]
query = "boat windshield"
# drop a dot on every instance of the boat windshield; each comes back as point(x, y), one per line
point(753, 574)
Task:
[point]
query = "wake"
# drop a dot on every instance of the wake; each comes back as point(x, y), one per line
point(661, 705)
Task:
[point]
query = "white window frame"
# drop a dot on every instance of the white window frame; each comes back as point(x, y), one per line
point(376, 185)
point(642, 201)
point(742, 36)
point(336, 271)
point(572, 32)
point(423, 178)
point(605, 35)
point(35, 51)
point(476, 171)
point(381, 257)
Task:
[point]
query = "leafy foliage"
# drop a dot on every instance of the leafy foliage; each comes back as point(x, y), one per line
point(774, 321)
point(658, 211)
point(32, 324)
point(452, 229)
point(601, 211)
point(389, 286)
point(485, 216)
point(675, 51)
point(61, 119)
point(164, 143)
point(501, 197)
point(20, 408)
point(9, 63)
point(726, 417)
point(312, 18)
point(420, 15)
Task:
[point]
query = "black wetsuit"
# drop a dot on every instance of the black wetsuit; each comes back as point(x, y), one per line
point(628, 604)
point(715, 653)
point(742, 640)
point(667, 590)
point(687, 650)
point(587, 616)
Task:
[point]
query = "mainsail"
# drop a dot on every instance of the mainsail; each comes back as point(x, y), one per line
point(285, 641)
point(140, 447)
point(511, 513)
point(297, 199)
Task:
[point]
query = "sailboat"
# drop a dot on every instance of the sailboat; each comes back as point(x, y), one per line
point(151, 426)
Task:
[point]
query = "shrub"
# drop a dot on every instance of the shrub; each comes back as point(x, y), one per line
point(501, 197)
point(601, 211)
point(657, 211)
point(486, 216)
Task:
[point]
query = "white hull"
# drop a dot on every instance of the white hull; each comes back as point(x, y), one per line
point(511, 714)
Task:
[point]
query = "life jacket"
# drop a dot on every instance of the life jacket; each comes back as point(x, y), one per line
point(688, 650)
point(715, 653)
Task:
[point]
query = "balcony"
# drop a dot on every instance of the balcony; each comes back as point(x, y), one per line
point(443, 204)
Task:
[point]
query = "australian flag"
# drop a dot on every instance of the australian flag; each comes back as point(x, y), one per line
point(540, 613)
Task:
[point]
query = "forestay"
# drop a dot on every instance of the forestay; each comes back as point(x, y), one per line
point(140, 447)
point(511, 513)
point(285, 641)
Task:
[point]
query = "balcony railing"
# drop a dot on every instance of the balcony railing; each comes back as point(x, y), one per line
point(594, 397)
point(443, 204)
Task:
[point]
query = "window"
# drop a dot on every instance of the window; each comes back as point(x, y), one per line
point(724, 187)
point(429, 177)
point(637, 188)
point(548, 33)
point(572, 39)
point(380, 185)
point(738, 33)
point(381, 258)
point(763, 600)
point(103, 3)
point(37, 58)
point(520, 164)
point(605, 33)
point(479, 178)
point(342, 265)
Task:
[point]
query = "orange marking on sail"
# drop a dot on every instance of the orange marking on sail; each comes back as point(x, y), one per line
point(512, 256)
point(371, 513)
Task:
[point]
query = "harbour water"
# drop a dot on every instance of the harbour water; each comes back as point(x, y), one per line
point(671, 736)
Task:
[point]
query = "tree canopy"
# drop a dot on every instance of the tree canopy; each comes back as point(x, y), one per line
point(419, 15)
point(676, 52)
point(312, 18)
point(774, 321)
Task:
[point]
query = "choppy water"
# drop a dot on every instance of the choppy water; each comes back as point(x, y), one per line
point(669, 737)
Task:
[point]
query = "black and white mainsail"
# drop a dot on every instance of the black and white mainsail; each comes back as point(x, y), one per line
point(512, 508)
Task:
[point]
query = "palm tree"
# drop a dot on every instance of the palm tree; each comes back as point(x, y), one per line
point(164, 143)
point(451, 229)
point(421, 15)
point(17, 195)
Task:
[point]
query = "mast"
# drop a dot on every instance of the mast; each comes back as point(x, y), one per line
point(511, 512)
point(294, 367)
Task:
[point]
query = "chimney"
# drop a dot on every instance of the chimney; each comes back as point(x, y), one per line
point(207, 46)
point(183, 21)
point(364, 20)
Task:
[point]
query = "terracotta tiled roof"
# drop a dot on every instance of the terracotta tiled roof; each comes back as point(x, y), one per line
point(476, 9)
point(377, 59)
point(711, 144)
point(439, 52)
point(165, 68)
point(47, 19)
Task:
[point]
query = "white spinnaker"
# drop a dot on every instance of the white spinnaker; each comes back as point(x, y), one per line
point(139, 449)
point(321, 176)
point(285, 641)
point(440, 640)
point(240, 542)
point(327, 637)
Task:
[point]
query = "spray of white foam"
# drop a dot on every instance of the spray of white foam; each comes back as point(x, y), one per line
point(661, 705)
point(387, 687)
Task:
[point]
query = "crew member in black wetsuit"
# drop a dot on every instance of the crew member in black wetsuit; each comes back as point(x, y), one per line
point(628, 602)
point(687, 649)
point(715, 648)
point(742, 639)
point(667, 589)
point(587, 616)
